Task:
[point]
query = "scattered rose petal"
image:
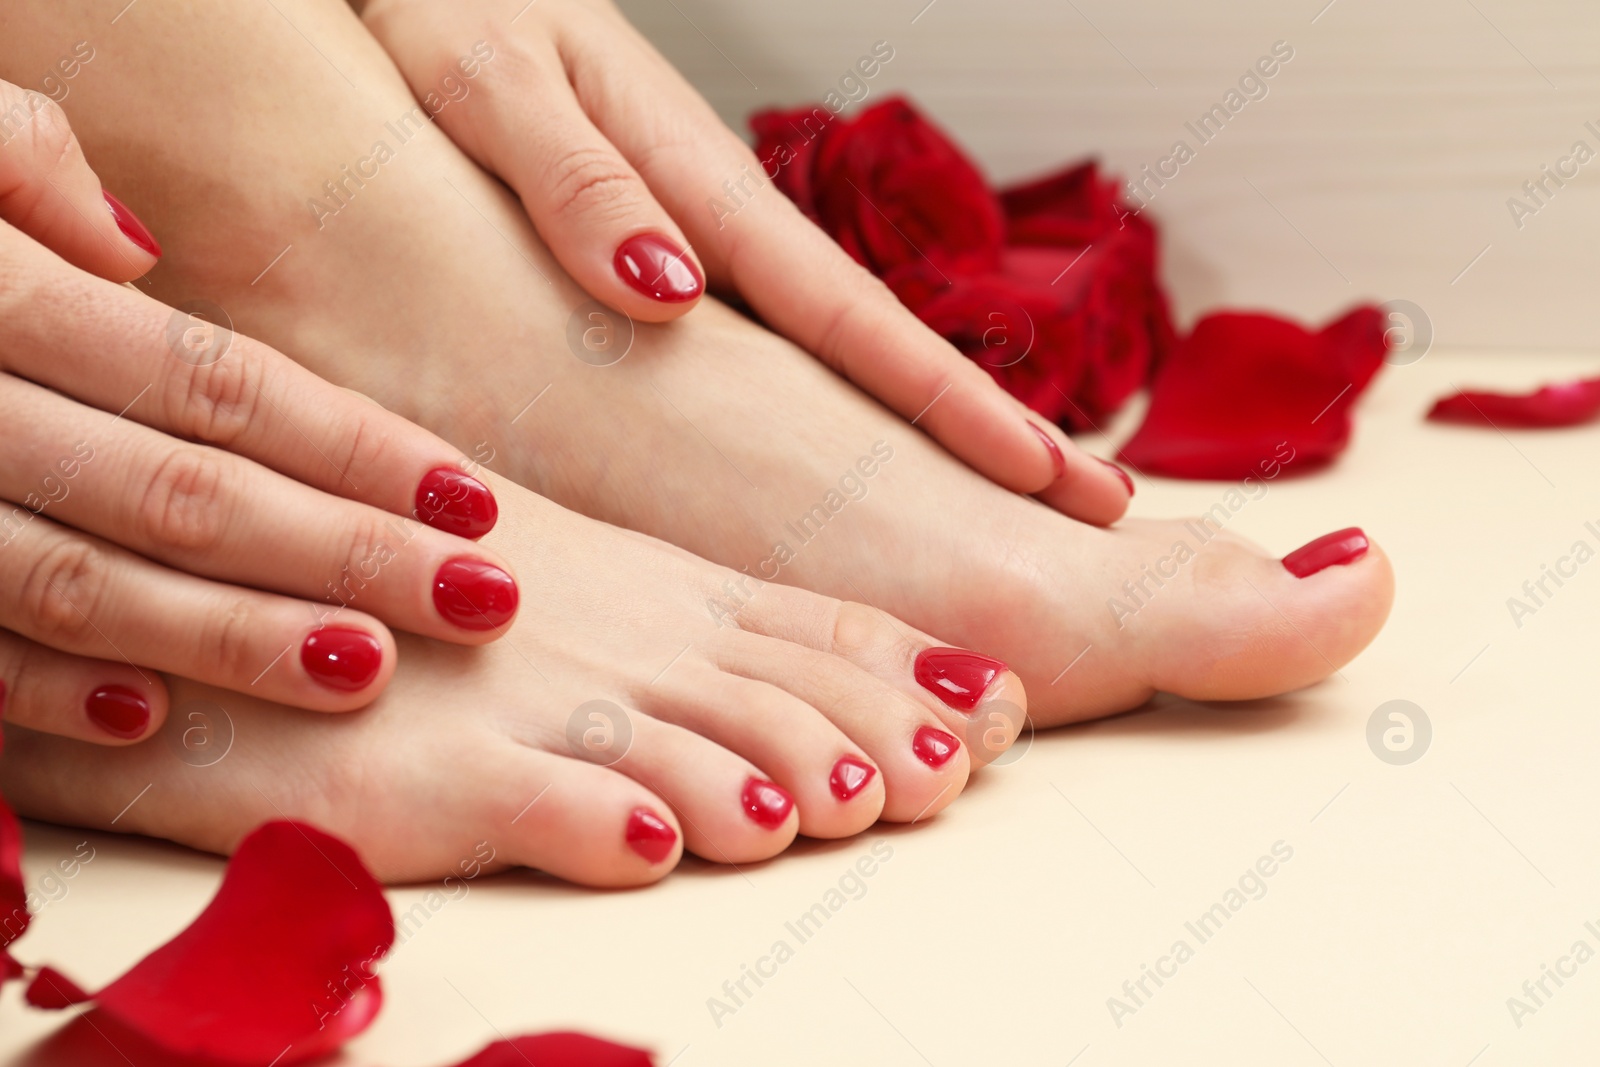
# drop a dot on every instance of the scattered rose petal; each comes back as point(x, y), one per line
point(1564, 404)
point(278, 968)
point(52, 990)
point(887, 184)
point(14, 915)
point(1246, 391)
point(558, 1050)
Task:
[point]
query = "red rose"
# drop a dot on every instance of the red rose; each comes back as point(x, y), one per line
point(886, 184)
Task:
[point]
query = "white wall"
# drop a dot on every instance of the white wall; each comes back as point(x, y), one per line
point(1391, 141)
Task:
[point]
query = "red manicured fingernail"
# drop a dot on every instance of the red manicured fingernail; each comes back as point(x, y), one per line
point(118, 710)
point(342, 658)
point(1057, 460)
point(1329, 550)
point(456, 503)
point(131, 227)
point(649, 835)
point(474, 595)
point(658, 268)
point(957, 677)
point(934, 747)
point(766, 803)
point(850, 776)
point(1120, 473)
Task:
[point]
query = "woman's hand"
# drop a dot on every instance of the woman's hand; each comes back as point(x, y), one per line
point(174, 497)
point(616, 159)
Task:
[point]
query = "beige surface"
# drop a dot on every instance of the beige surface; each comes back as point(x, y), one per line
point(1417, 900)
point(1378, 164)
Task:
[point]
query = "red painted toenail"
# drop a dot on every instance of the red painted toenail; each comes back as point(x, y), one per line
point(131, 227)
point(1329, 550)
point(649, 835)
point(957, 677)
point(850, 776)
point(474, 595)
point(456, 503)
point(934, 747)
point(1058, 462)
point(118, 710)
point(341, 658)
point(1127, 482)
point(766, 803)
point(658, 268)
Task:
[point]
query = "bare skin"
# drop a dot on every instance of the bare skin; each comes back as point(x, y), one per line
point(425, 287)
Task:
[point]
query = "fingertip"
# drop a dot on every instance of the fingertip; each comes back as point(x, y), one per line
point(661, 278)
point(125, 709)
point(348, 665)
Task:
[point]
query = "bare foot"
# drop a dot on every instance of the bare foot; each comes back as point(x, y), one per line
point(424, 286)
point(620, 720)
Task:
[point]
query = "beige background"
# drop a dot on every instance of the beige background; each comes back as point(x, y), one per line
point(1382, 157)
point(1419, 897)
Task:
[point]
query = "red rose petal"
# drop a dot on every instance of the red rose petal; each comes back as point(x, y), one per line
point(558, 1050)
point(278, 968)
point(52, 990)
point(14, 915)
point(1246, 391)
point(1563, 404)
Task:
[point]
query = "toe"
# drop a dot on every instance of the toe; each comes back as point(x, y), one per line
point(578, 820)
point(923, 765)
point(835, 784)
point(731, 810)
point(976, 697)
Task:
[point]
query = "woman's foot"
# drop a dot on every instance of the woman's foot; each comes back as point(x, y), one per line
point(623, 718)
point(404, 272)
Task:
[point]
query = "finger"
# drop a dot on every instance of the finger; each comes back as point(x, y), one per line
point(49, 193)
point(215, 515)
point(807, 288)
point(586, 201)
point(79, 594)
point(73, 696)
point(196, 380)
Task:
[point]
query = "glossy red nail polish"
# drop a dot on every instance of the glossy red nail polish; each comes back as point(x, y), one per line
point(955, 676)
point(658, 268)
point(118, 710)
point(766, 803)
point(131, 227)
point(1120, 473)
point(456, 503)
point(1058, 462)
point(850, 776)
point(1329, 550)
point(934, 747)
point(342, 658)
point(649, 835)
point(474, 595)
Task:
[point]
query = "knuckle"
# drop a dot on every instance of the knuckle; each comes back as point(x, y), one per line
point(864, 634)
point(218, 401)
point(182, 505)
point(61, 592)
point(228, 640)
point(367, 551)
point(591, 181)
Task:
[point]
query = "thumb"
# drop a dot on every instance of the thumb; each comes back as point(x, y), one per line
point(49, 193)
